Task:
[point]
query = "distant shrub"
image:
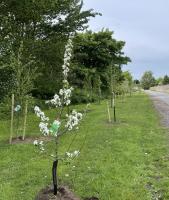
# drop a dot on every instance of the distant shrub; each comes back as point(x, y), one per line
point(7, 82)
point(39, 94)
point(5, 108)
point(83, 96)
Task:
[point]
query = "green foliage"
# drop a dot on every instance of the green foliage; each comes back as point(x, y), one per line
point(43, 27)
point(128, 82)
point(148, 80)
point(165, 80)
point(94, 55)
point(7, 80)
point(83, 96)
point(159, 81)
point(24, 71)
point(127, 76)
point(5, 108)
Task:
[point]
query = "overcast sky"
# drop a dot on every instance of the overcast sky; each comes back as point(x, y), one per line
point(143, 24)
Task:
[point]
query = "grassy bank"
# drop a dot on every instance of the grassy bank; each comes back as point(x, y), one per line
point(124, 161)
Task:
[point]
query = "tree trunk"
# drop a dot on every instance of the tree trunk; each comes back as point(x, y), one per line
point(12, 119)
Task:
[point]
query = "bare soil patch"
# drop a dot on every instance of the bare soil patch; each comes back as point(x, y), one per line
point(29, 140)
point(63, 194)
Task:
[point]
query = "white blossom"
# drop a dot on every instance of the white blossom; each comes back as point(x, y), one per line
point(44, 128)
point(39, 144)
point(35, 142)
point(66, 95)
point(67, 58)
point(40, 114)
point(73, 154)
point(55, 101)
point(73, 120)
point(65, 83)
point(76, 153)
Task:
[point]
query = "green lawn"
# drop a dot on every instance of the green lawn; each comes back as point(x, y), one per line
point(124, 161)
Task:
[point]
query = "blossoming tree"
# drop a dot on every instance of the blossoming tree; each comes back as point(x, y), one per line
point(58, 127)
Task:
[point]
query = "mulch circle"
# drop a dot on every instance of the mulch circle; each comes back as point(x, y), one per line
point(63, 194)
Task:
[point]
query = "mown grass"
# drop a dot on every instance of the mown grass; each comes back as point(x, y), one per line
point(128, 160)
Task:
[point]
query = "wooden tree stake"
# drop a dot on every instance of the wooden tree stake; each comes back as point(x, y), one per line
point(25, 119)
point(12, 119)
point(108, 110)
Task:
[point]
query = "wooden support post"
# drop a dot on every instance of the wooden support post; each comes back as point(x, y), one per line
point(25, 119)
point(12, 119)
point(108, 110)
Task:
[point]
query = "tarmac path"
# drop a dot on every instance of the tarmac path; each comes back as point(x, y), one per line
point(161, 103)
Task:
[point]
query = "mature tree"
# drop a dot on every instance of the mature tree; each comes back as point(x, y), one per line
point(165, 80)
point(29, 20)
point(148, 80)
point(43, 27)
point(98, 54)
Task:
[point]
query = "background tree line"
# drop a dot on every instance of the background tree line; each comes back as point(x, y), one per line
point(32, 39)
point(148, 80)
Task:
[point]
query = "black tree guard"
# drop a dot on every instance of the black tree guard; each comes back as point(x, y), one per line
point(114, 114)
point(54, 174)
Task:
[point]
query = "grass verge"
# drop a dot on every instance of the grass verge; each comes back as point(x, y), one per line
point(124, 161)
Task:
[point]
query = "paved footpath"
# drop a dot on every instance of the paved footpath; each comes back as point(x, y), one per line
point(161, 102)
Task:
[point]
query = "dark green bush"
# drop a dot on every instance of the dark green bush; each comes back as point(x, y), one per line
point(83, 96)
point(7, 82)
